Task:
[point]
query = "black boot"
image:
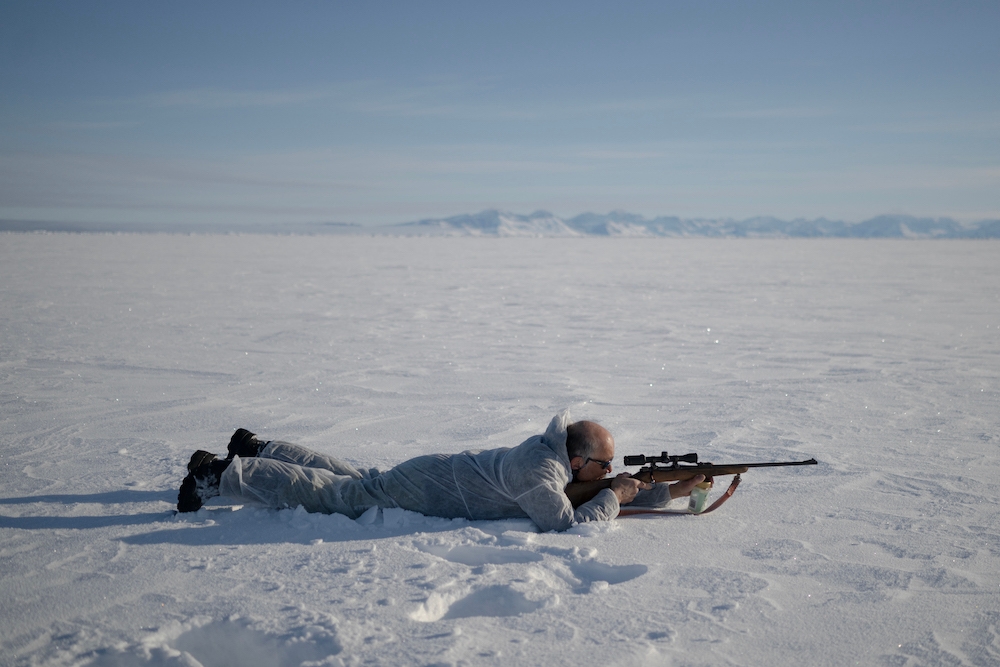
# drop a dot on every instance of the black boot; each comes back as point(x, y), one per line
point(245, 444)
point(200, 458)
point(202, 481)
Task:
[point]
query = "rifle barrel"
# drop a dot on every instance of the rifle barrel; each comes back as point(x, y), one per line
point(769, 464)
point(808, 462)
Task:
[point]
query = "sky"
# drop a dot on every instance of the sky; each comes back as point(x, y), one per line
point(382, 112)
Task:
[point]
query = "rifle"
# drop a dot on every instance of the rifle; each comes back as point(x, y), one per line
point(667, 468)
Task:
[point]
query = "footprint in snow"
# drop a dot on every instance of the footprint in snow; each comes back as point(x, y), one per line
point(591, 572)
point(505, 600)
point(493, 601)
point(477, 555)
point(229, 642)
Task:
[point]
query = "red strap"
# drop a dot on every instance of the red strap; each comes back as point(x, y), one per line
point(629, 511)
point(725, 496)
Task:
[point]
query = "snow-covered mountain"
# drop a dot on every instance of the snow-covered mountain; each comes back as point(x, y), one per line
point(493, 222)
point(621, 223)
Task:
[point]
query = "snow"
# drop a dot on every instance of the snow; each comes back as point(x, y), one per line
point(121, 354)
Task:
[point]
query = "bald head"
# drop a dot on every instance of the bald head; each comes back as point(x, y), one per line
point(584, 438)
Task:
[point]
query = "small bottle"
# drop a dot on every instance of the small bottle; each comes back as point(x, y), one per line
point(699, 497)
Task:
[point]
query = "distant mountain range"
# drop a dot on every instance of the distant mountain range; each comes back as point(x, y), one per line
point(543, 223)
point(621, 223)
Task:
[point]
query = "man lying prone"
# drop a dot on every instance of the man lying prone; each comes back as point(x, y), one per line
point(524, 481)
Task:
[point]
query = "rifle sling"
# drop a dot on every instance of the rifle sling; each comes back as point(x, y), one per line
point(628, 511)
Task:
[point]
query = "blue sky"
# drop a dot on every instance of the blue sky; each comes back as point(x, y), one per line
point(375, 112)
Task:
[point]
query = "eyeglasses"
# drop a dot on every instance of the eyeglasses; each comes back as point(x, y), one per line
point(604, 464)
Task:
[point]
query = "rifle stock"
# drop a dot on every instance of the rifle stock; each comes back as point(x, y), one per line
point(581, 492)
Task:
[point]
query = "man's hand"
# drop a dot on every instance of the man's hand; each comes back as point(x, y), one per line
point(681, 489)
point(625, 487)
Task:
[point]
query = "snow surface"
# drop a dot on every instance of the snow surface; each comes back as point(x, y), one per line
point(121, 354)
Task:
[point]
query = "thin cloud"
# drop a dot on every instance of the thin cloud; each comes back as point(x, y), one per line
point(480, 100)
point(619, 154)
point(364, 96)
point(935, 126)
point(73, 126)
point(218, 98)
point(774, 113)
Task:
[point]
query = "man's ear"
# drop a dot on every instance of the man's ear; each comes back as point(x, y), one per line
point(576, 463)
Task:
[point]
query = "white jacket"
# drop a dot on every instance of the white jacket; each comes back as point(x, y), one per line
point(524, 481)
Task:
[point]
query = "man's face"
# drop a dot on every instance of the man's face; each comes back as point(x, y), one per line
point(598, 464)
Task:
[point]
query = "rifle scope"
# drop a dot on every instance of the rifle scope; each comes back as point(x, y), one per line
point(642, 459)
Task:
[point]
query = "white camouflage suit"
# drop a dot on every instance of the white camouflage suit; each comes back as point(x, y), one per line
point(524, 481)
